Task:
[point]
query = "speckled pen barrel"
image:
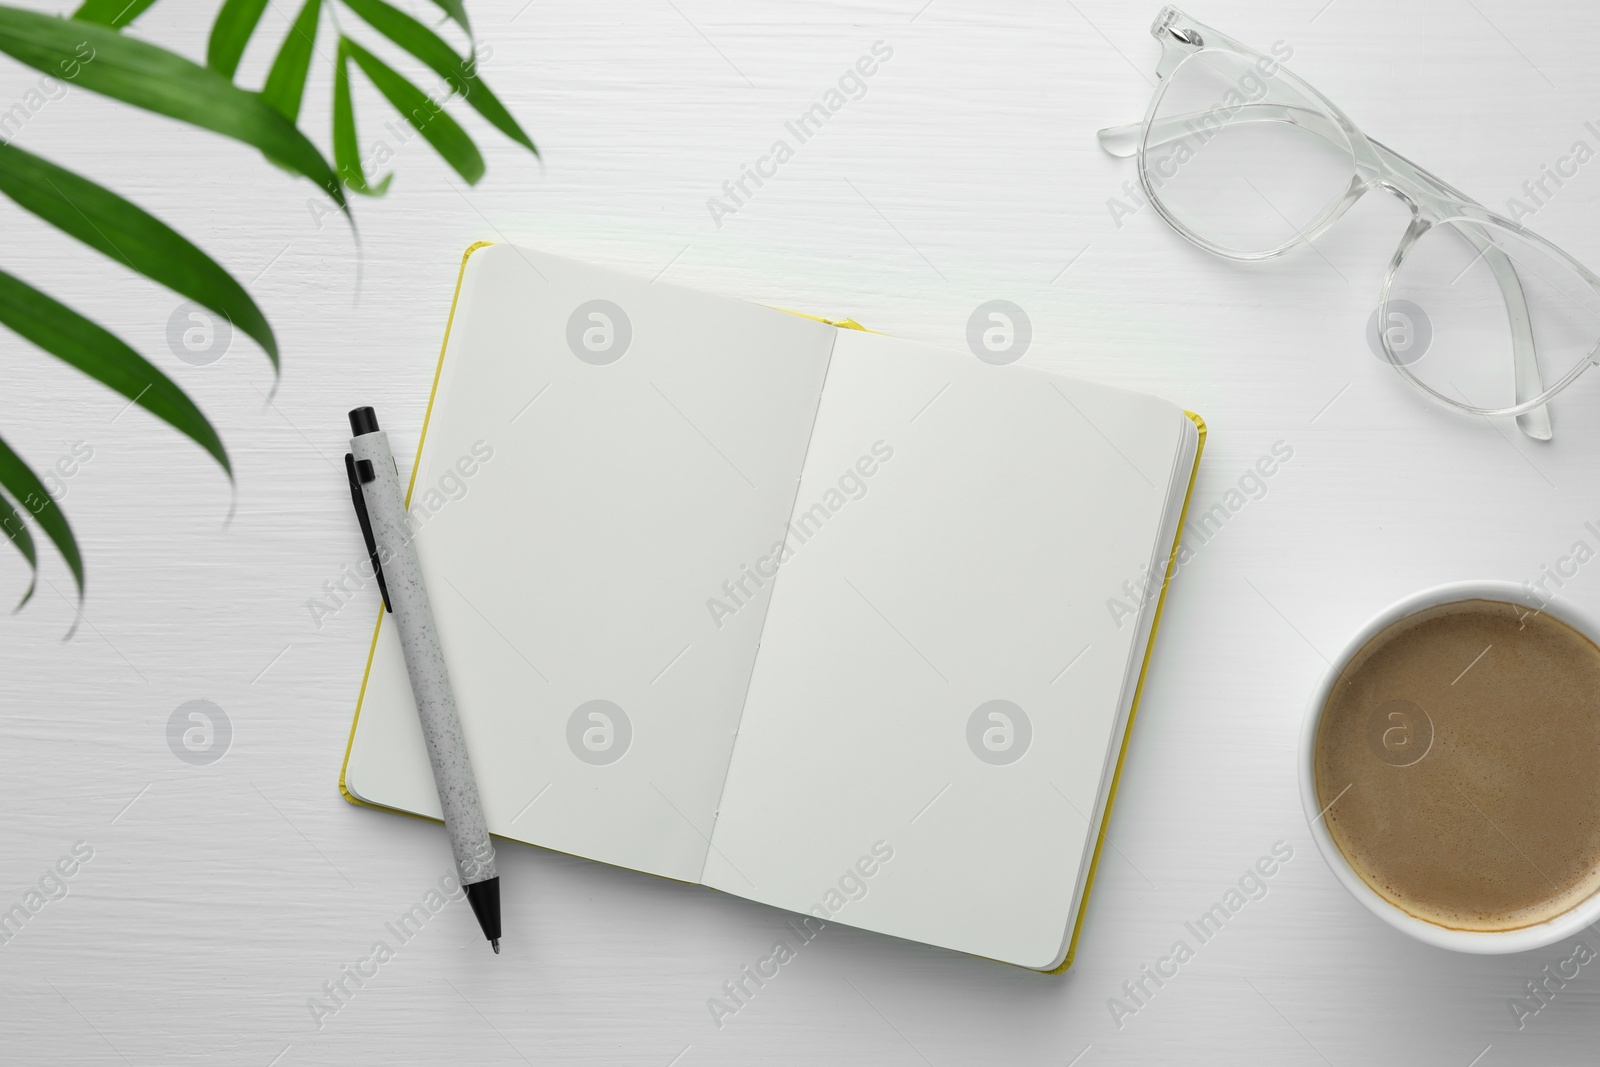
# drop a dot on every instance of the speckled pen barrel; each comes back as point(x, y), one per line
point(419, 640)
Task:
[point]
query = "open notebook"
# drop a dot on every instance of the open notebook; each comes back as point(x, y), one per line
point(810, 615)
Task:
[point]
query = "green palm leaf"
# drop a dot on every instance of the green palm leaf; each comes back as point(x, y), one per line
point(103, 356)
point(113, 13)
point(22, 484)
point(106, 222)
point(17, 530)
point(230, 33)
point(89, 51)
point(430, 48)
point(286, 81)
point(440, 130)
point(346, 147)
point(457, 10)
point(152, 78)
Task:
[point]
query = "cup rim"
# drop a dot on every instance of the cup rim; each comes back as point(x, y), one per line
point(1560, 927)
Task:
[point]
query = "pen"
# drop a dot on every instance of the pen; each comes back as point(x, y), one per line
point(381, 511)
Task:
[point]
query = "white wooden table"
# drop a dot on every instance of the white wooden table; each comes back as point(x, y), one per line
point(220, 898)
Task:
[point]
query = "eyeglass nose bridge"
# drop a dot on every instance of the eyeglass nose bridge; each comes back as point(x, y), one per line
point(1404, 196)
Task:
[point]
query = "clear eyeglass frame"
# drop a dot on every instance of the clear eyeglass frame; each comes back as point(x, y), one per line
point(1432, 203)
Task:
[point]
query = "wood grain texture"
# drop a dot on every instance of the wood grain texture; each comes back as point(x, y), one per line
point(220, 898)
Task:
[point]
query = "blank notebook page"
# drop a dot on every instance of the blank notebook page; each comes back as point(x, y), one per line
point(578, 562)
point(975, 565)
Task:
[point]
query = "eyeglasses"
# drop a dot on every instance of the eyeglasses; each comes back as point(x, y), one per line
point(1247, 161)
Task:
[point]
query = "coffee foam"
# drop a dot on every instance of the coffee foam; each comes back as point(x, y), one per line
point(1458, 758)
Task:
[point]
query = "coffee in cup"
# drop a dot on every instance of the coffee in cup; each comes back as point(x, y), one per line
point(1456, 762)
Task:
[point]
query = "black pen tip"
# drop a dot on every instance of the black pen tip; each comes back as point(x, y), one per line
point(496, 944)
point(484, 897)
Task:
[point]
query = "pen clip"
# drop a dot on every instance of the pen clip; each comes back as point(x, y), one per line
point(365, 520)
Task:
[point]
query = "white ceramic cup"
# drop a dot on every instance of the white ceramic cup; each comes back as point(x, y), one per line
point(1561, 927)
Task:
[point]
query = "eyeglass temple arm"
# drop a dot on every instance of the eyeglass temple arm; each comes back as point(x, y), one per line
point(1123, 141)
